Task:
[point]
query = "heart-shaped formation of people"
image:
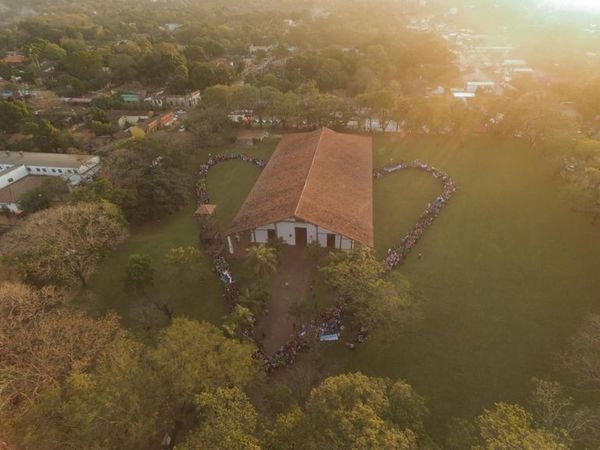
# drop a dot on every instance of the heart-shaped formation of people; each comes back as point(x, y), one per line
point(330, 321)
point(397, 254)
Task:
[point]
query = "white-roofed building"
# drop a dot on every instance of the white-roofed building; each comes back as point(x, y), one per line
point(72, 168)
point(23, 171)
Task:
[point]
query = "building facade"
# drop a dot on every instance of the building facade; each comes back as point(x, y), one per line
point(73, 168)
point(23, 171)
point(297, 232)
point(188, 100)
point(316, 187)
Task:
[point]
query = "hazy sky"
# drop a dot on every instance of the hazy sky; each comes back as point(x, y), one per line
point(576, 4)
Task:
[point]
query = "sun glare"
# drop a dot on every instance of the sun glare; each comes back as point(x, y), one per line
point(588, 5)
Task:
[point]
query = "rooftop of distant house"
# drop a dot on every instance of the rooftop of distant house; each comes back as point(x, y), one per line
point(14, 58)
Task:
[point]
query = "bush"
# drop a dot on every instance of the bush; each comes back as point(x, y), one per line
point(41, 197)
point(139, 273)
point(102, 129)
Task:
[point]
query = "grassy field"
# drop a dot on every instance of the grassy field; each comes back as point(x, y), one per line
point(196, 294)
point(508, 271)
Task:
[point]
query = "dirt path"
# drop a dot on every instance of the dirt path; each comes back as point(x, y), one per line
point(289, 288)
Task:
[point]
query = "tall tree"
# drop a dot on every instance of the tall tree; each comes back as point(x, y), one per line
point(353, 411)
point(63, 245)
point(287, 108)
point(227, 420)
point(381, 104)
point(139, 393)
point(582, 359)
point(202, 75)
point(261, 263)
point(245, 97)
point(122, 68)
point(217, 96)
point(372, 298)
point(84, 64)
point(41, 197)
point(12, 115)
point(48, 138)
point(40, 343)
point(239, 323)
point(148, 179)
point(554, 409)
point(512, 427)
point(139, 273)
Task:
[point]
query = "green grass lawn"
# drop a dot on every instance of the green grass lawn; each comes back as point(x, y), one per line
point(228, 184)
point(508, 271)
point(196, 294)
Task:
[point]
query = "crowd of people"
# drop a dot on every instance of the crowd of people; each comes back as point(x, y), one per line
point(201, 191)
point(285, 356)
point(329, 322)
point(220, 264)
point(396, 255)
point(221, 267)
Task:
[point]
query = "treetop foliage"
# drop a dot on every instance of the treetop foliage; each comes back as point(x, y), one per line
point(62, 246)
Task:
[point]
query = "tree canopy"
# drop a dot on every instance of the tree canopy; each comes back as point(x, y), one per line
point(372, 296)
point(188, 371)
point(62, 246)
point(353, 411)
point(41, 343)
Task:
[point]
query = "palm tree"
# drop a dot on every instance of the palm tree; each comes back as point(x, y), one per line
point(254, 299)
point(261, 263)
point(241, 319)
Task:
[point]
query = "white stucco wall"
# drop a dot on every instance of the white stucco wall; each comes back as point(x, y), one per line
point(345, 243)
point(57, 170)
point(261, 236)
point(322, 236)
point(286, 230)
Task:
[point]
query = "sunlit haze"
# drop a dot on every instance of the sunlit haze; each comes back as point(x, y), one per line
point(300, 224)
point(589, 5)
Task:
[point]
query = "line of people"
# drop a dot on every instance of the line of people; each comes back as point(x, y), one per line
point(201, 191)
point(220, 264)
point(396, 255)
point(329, 322)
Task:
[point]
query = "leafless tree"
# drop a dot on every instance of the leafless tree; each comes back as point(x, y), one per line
point(582, 359)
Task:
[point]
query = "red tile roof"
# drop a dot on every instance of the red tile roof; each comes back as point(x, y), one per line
point(322, 177)
point(14, 59)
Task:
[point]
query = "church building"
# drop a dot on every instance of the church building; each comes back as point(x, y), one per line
point(317, 186)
